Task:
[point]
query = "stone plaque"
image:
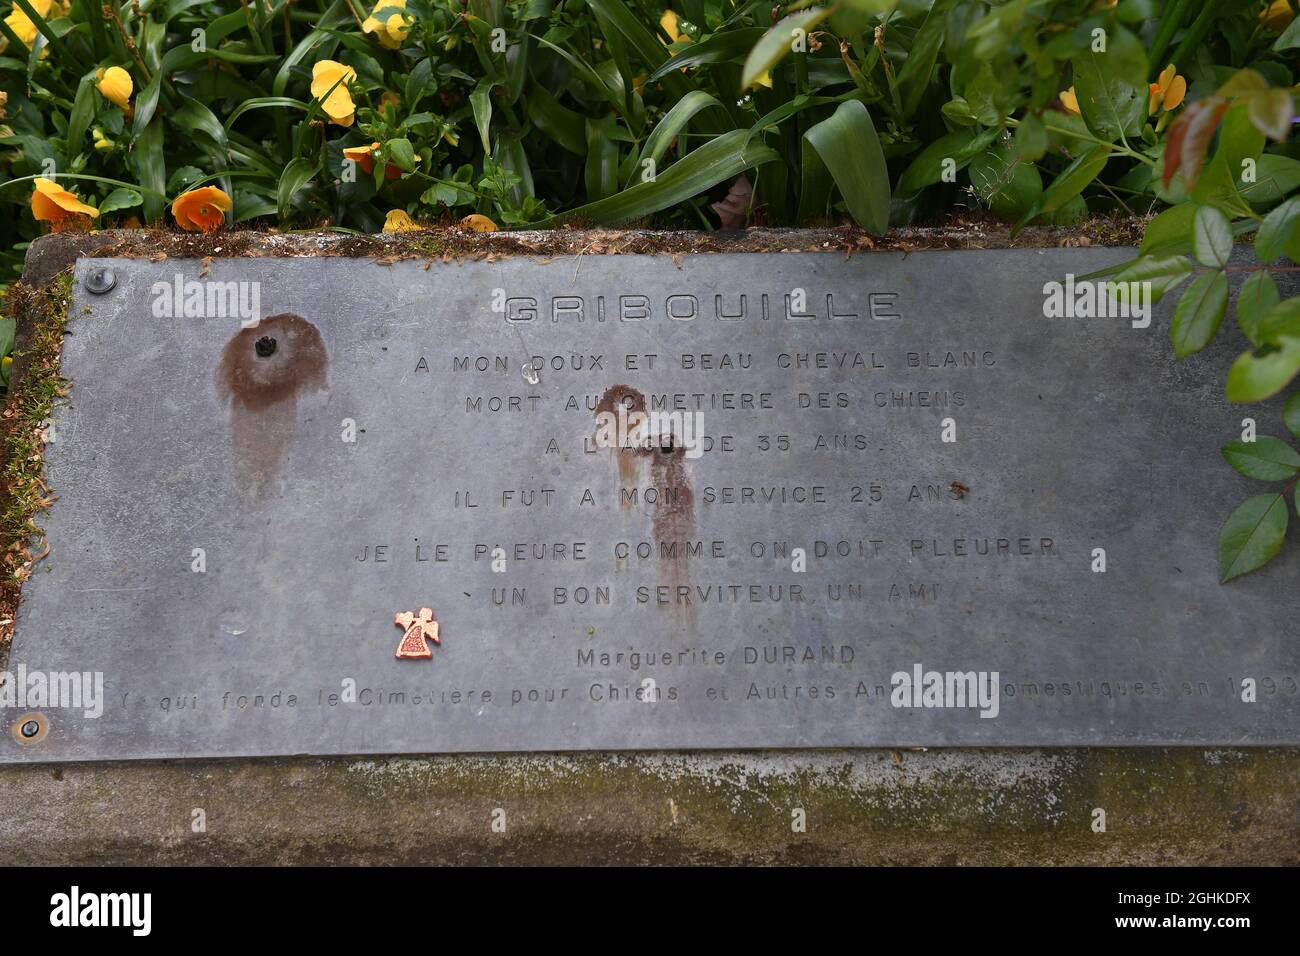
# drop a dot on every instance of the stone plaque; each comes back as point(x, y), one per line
point(331, 506)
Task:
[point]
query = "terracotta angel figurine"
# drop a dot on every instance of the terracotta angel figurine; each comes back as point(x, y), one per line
point(415, 629)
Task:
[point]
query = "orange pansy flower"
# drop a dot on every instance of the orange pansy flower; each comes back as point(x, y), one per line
point(478, 223)
point(201, 210)
point(1168, 91)
point(53, 204)
point(364, 156)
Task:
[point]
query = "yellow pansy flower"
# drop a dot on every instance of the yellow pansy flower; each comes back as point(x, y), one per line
point(1277, 15)
point(391, 32)
point(1070, 101)
point(116, 86)
point(1168, 90)
point(478, 223)
point(669, 22)
point(338, 105)
point(398, 221)
point(21, 24)
point(53, 204)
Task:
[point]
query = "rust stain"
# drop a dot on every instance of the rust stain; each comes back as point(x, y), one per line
point(263, 371)
point(674, 511)
point(633, 401)
point(674, 519)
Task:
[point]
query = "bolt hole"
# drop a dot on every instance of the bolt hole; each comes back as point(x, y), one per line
point(30, 728)
point(265, 346)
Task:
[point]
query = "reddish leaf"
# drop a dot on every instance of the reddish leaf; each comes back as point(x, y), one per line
point(1189, 139)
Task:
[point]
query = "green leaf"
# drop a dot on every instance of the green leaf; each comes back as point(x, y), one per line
point(1007, 184)
point(1211, 237)
point(1170, 233)
point(1252, 536)
point(1278, 231)
point(402, 153)
point(647, 46)
point(146, 102)
point(1073, 180)
point(1265, 458)
point(8, 330)
point(1112, 87)
point(776, 43)
point(961, 147)
point(83, 111)
point(1199, 313)
point(120, 199)
point(1290, 38)
point(1276, 177)
point(1239, 140)
point(719, 48)
point(1031, 138)
point(296, 175)
point(1272, 111)
point(722, 158)
point(193, 116)
point(674, 122)
point(1257, 297)
point(847, 143)
point(1255, 376)
point(1281, 322)
point(1162, 273)
point(261, 103)
point(565, 126)
point(601, 173)
point(914, 77)
point(1291, 414)
point(149, 163)
point(481, 101)
point(985, 96)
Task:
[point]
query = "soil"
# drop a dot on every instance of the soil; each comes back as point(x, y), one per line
point(443, 244)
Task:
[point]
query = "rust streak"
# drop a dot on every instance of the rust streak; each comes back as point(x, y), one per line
point(263, 371)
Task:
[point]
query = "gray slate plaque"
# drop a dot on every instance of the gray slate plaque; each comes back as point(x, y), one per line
point(237, 526)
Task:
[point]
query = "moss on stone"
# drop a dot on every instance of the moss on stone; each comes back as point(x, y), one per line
point(35, 388)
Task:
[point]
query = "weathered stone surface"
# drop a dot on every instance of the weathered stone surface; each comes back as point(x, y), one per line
point(1178, 806)
point(1072, 434)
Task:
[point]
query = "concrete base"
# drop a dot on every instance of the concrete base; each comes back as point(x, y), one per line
point(867, 807)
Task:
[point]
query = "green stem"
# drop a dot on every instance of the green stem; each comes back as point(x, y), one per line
point(97, 179)
point(1170, 20)
point(1196, 32)
point(1088, 137)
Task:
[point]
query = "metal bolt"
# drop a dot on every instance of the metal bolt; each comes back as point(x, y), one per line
point(265, 346)
point(30, 729)
point(100, 281)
